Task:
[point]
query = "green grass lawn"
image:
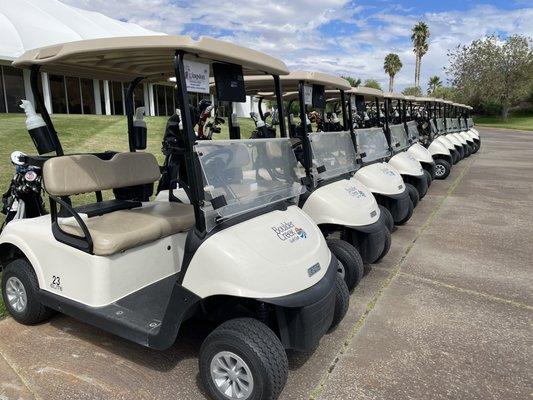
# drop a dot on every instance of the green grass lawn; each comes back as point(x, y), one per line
point(84, 133)
point(521, 121)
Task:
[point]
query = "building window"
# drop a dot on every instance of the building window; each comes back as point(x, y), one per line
point(73, 95)
point(13, 87)
point(58, 93)
point(161, 102)
point(87, 95)
point(2, 93)
point(115, 91)
point(138, 96)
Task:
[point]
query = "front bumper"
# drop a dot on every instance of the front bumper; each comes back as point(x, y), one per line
point(370, 239)
point(304, 317)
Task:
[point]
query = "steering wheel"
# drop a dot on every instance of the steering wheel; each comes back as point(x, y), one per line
point(214, 164)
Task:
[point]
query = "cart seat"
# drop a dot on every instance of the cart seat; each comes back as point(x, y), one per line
point(122, 230)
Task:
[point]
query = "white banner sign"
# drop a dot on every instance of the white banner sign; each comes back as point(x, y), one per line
point(196, 76)
point(308, 95)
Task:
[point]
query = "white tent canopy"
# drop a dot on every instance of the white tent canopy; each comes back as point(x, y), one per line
point(28, 24)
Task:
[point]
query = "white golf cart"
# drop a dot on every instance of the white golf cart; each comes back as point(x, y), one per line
point(420, 110)
point(452, 132)
point(241, 253)
point(340, 205)
point(470, 125)
point(383, 180)
point(470, 136)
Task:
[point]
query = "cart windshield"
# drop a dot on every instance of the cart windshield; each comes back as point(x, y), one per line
point(449, 125)
point(412, 130)
point(440, 125)
point(433, 126)
point(243, 175)
point(372, 144)
point(470, 122)
point(333, 154)
point(398, 137)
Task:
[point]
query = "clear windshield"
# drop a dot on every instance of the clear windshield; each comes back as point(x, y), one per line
point(470, 122)
point(440, 124)
point(372, 144)
point(412, 129)
point(333, 154)
point(433, 125)
point(243, 175)
point(398, 137)
point(449, 124)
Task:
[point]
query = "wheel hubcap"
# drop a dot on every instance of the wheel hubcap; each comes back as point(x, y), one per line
point(340, 269)
point(231, 375)
point(16, 294)
point(441, 170)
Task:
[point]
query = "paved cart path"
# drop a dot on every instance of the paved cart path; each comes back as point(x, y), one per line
point(446, 315)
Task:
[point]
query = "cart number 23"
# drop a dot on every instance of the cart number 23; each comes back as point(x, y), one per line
point(56, 283)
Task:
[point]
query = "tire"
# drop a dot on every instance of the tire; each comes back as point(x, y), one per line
point(443, 168)
point(413, 194)
point(429, 179)
point(258, 348)
point(455, 157)
point(389, 220)
point(20, 272)
point(351, 264)
point(342, 302)
point(408, 216)
point(476, 148)
point(386, 247)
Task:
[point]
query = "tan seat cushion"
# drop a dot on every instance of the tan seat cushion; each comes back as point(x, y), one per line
point(121, 230)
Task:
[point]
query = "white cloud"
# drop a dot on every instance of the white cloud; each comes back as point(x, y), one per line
point(291, 30)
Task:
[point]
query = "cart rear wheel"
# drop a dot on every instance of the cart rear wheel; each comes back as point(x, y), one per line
point(342, 301)
point(413, 194)
point(386, 246)
point(351, 266)
point(243, 359)
point(429, 179)
point(409, 214)
point(20, 290)
point(387, 216)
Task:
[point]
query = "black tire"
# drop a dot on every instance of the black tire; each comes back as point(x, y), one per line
point(429, 179)
point(461, 153)
point(409, 214)
point(455, 157)
point(342, 302)
point(350, 260)
point(468, 150)
point(386, 247)
point(257, 346)
point(443, 168)
point(413, 194)
point(34, 312)
point(476, 147)
point(387, 217)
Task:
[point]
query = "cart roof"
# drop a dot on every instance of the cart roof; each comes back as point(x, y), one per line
point(126, 58)
point(426, 99)
point(368, 93)
point(393, 95)
point(410, 98)
point(289, 83)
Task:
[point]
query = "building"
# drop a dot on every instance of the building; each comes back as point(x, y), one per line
point(28, 24)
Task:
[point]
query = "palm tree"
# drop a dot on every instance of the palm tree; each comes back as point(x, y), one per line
point(434, 83)
point(392, 66)
point(420, 38)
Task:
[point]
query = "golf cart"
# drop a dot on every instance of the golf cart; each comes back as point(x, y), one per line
point(383, 180)
point(470, 125)
point(443, 133)
point(344, 209)
point(421, 110)
point(410, 169)
point(462, 111)
point(451, 124)
point(411, 137)
point(241, 254)
point(460, 129)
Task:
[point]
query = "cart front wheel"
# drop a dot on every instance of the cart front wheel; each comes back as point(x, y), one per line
point(243, 359)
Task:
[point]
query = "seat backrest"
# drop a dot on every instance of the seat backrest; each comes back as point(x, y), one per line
point(86, 173)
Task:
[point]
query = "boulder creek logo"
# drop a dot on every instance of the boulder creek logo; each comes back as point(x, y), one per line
point(354, 192)
point(287, 231)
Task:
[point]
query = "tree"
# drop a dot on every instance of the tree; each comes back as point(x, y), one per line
point(419, 38)
point(412, 91)
point(354, 82)
point(492, 70)
point(446, 93)
point(392, 66)
point(434, 83)
point(372, 83)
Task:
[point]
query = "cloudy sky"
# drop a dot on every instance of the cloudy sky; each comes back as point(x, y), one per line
point(336, 36)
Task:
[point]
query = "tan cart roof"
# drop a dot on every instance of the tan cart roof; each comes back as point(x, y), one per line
point(393, 95)
point(426, 99)
point(368, 93)
point(289, 83)
point(126, 58)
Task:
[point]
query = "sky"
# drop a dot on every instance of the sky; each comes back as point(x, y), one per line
point(335, 36)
